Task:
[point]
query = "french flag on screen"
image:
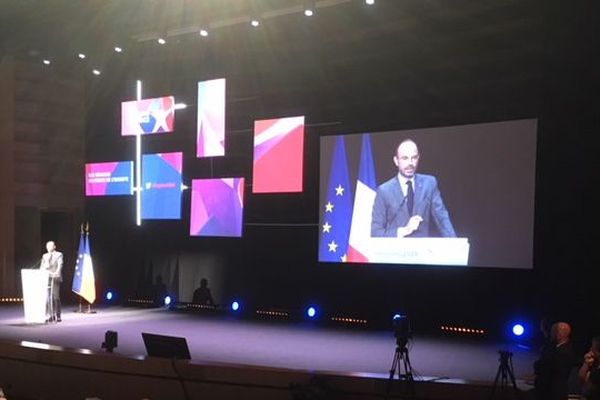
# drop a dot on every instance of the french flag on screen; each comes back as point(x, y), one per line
point(337, 210)
point(366, 188)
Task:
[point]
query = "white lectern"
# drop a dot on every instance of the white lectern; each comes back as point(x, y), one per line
point(430, 251)
point(35, 295)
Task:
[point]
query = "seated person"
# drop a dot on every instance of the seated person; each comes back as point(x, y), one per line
point(202, 295)
point(554, 366)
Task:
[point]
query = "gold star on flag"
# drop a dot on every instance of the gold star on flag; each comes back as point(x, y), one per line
point(326, 227)
point(333, 246)
point(329, 207)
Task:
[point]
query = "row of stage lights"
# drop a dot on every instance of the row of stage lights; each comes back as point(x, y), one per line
point(309, 11)
point(517, 330)
point(311, 312)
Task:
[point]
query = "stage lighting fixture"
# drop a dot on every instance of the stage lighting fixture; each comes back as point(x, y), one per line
point(518, 330)
point(235, 306)
point(109, 295)
point(111, 340)
point(46, 62)
point(161, 40)
point(118, 49)
point(370, 2)
point(96, 72)
point(311, 312)
point(81, 56)
point(203, 32)
point(255, 22)
point(180, 106)
point(167, 300)
point(309, 12)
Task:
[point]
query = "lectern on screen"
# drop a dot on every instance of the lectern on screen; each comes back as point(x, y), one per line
point(166, 346)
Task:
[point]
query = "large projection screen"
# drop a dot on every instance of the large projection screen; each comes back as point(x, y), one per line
point(474, 188)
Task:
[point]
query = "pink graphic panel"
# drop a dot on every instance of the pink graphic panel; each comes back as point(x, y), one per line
point(278, 155)
point(211, 118)
point(109, 178)
point(217, 207)
point(148, 116)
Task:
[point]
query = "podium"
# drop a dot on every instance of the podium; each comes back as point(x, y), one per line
point(35, 295)
point(428, 251)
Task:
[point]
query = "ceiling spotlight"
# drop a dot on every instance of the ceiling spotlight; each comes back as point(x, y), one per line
point(255, 23)
point(161, 41)
point(203, 32)
point(81, 55)
point(46, 62)
point(309, 12)
point(370, 2)
point(96, 72)
point(118, 49)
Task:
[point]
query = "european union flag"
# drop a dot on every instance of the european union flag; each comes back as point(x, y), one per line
point(336, 213)
point(83, 280)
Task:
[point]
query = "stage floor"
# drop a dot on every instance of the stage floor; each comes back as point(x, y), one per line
point(297, 346)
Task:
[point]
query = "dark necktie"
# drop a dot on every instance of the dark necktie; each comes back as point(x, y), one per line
point(410, 197)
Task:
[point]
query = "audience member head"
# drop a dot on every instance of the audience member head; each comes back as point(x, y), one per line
point(560, 333)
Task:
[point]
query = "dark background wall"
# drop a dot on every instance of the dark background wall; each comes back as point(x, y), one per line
point(400, 65)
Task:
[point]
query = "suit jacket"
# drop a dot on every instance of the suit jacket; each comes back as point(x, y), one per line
point(53, 262)
point(552, 372)
point(390, 210)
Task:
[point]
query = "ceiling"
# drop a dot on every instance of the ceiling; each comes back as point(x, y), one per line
point(406, 56)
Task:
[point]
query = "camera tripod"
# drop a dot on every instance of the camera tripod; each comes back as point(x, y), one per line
point(401, 359)
point(505, 371)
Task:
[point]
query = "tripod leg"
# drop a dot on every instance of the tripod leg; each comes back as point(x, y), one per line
point(495, 382)
point(395, 363)
point(514, 383)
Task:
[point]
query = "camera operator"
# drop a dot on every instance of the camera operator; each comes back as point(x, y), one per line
point(589, 373)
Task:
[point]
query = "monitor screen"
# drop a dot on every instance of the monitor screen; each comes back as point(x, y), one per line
point(460, 195)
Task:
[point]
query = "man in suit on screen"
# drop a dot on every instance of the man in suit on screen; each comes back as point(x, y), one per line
point(409, 203)
point(52, 261)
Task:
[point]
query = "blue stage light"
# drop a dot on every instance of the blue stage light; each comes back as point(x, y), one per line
point(167, 300)
point(235, 306)
point(518, 329)
point(396, 317)
point(109, 295)
point(311, 312)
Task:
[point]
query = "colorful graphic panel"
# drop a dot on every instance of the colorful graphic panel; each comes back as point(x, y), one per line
point(109, 178)
point(278, 155)
point(148, 116)
point(217, 207)
point(161, 185)
point(211, 118)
